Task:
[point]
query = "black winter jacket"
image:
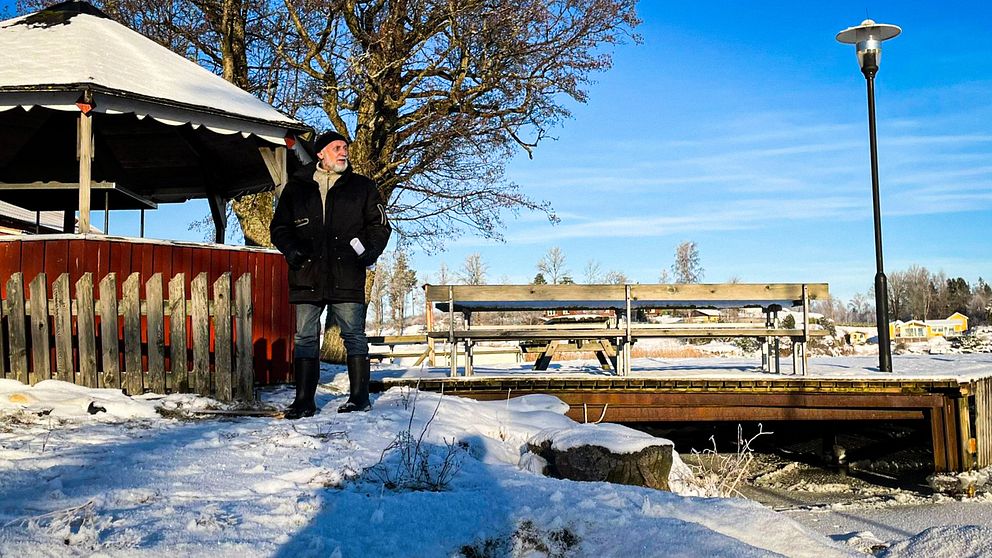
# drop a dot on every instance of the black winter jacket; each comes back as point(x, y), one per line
point(354, 209)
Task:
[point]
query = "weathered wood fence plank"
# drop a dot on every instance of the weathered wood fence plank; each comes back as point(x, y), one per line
point(178, 376)
point(222, 326)
point(201, 335)
point(86, 331)
point(131, 306)
point(109, 324)
point(17, 326)
point(243, 316)
point(156, 334)
point(3, 355)
point(41, 365)
point(64, 369)
point(222, 338)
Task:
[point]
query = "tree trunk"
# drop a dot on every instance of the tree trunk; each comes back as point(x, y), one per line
point(255, 215)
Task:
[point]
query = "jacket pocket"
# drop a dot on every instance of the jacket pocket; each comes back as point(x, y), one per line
point(305, 278)
point(349, 273)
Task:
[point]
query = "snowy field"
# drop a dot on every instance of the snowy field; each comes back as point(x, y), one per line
point(150, 477)
point(905, 367)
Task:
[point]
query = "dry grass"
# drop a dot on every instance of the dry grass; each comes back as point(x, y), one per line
point(668, 352)
point(636, 352)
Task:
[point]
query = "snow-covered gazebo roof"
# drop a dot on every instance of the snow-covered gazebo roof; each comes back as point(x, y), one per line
point(164, 129)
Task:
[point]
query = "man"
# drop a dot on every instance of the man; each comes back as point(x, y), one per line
point(330, 224)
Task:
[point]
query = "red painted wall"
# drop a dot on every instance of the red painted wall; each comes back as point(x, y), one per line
point(272, 318)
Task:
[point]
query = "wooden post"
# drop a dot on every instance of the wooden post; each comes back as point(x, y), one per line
point(429, 318)
point(201, 335)
point(178, 376)
point(218, 209)
point(17, 324)
point(222, 338)
point(41, 365)
point(469, 348)
point(766, 343)
point(452, 348)
point(964, 432)
point(805, 362)
point(156, 334)
point(245, 385)
point(628, 340)
point(86, 328)
point(63, 329)
point(983, 421)
point(776, 349)
point(275, 162)
point(131, 306)
point(3, 355)
point(85, 162)
point(109, 341)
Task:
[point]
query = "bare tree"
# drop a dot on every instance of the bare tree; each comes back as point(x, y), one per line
point(402, 281)
point(831, 308)
point(919, 292)
point(440, 93)
point(687, 267)
point(980, 305)
point(861, 309)
point(614, 277)
point(379, 293)
point(443, 275)
point(592, 273)
point(474, 270)
point(664, 277)
point(552, 266)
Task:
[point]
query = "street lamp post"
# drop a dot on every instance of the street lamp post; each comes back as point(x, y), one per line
point(868, 38)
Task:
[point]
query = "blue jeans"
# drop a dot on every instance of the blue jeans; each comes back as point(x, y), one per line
point(349, 316)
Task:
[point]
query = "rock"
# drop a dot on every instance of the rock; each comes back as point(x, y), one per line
point(648, 467)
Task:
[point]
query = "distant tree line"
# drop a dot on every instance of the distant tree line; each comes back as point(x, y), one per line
point(917, 293)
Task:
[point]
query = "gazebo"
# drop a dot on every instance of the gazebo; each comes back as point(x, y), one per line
point(96, 116)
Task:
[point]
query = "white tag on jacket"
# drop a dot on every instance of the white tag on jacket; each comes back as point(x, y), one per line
point(357, 246)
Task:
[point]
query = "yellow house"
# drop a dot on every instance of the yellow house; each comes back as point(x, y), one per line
point(953, 325)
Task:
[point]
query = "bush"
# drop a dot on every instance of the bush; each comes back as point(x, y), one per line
point(526, 540)
point(408, 463)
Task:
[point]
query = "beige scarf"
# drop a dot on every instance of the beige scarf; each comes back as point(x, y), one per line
point(325, 180)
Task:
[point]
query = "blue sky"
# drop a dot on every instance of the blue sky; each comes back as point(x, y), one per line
point(742, 126)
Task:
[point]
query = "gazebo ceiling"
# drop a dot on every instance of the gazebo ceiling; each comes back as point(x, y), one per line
point(156, 162)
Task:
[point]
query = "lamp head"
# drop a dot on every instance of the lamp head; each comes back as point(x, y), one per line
point(867, 38)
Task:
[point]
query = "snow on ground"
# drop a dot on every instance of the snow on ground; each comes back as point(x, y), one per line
point(92, 472)
point(962, 367)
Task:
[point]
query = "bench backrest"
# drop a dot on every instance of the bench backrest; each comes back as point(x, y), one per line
point(564, 297)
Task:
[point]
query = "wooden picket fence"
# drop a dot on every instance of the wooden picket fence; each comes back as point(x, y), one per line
point(88, 334)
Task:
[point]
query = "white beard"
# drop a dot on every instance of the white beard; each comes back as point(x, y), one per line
point(331, 166)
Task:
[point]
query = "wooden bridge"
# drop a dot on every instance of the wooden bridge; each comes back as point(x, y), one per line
point(959, 412)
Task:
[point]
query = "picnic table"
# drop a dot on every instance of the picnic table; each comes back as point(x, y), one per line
point(623, 300)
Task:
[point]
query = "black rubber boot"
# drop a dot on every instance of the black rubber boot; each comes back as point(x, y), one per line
point(358, 384)
point(307, 376)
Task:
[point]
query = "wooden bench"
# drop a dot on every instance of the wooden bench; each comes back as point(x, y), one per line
point(421, 349)
point(623, 300)
point(392, 341)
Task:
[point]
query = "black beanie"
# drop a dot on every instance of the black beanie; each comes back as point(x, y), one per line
point(327, 137)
